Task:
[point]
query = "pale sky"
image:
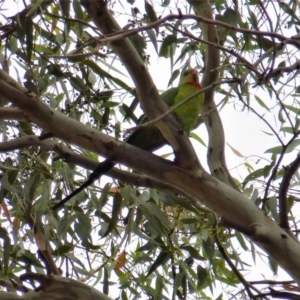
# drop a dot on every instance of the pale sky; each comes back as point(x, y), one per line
point(243, 131)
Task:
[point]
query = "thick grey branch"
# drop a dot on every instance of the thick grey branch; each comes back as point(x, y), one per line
point(146, 90)
point(11, 113)
point(69, 156)
point(199, 185)
point(22, 142)
point(216, 195)
point(211, 117)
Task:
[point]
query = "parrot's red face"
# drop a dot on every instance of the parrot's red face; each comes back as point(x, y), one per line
point(194, 76)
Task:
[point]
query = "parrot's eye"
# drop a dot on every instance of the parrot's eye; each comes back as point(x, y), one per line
point(186, 73)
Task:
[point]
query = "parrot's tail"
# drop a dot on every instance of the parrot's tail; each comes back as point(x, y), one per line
point(101, 169)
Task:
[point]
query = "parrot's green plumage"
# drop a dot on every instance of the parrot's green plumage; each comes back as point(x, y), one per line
point(150, 138)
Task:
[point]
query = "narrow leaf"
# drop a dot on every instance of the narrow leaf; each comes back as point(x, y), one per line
point(117, 205)
point(65, 7)
point(161, 259)
point(152, 37)
point(150, 12)
point(236, 152)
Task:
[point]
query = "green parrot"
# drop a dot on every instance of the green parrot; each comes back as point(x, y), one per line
point(150, 138)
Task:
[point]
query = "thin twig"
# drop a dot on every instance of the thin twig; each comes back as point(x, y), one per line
point(179, 105)
point(124, 34)
point(238, 274)
point(282, 195)
point(274, 171)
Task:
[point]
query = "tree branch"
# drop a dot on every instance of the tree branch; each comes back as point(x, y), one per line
point(211, 117)
point(235, 270)
point(121, 34)
point(11, 113)
point(43, 246)
point(69, 156)
point(201, 186)
point(51, 287)
point(146, 90)
point(284, 186)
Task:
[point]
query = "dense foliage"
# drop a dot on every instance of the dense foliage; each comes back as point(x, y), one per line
point(132, 235)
